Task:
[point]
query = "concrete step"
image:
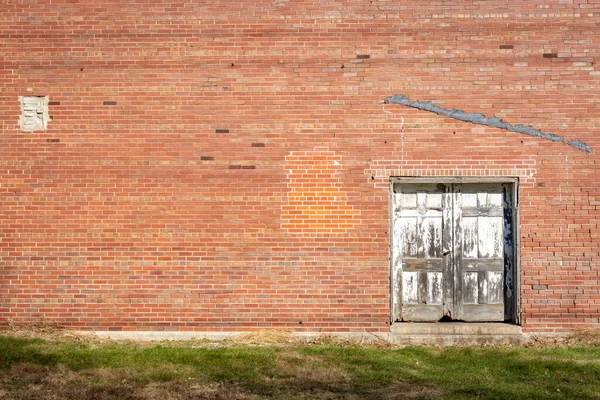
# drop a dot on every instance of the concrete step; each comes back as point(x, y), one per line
point(405, 334)
point(455, 333)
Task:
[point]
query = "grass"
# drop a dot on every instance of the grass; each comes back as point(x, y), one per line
point(39, 369)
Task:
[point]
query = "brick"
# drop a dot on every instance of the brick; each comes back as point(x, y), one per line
point(243, 180)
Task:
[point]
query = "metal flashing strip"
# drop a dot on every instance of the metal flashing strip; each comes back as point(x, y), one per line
point(480, 119)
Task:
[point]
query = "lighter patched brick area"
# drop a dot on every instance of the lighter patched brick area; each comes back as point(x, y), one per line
point(316, 203)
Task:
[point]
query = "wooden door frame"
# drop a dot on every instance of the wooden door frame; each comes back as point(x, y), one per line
point(513, 309)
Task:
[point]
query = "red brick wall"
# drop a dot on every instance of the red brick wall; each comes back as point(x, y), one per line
point(171, 188)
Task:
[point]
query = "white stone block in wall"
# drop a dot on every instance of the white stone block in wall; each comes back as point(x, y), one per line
point(34, 113)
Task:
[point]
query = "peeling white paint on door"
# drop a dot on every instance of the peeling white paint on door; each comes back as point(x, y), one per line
point(490, 237)
point(410, 284)
point(434, 288)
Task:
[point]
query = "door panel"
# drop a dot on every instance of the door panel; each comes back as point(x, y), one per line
point(479, 264)
point(418, 260)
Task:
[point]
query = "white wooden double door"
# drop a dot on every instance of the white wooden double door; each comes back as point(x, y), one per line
point(450, 244)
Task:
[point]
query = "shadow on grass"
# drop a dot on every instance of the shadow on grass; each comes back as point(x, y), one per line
point(14, 351)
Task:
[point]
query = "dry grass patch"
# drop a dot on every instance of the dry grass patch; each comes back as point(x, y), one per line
point(265, 336)
point(190, 390)
point(26, 382)
point(49, 331)
point(310, 369)
point(586, 336)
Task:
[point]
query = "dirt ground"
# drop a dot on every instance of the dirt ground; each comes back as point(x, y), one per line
point(51, 331)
